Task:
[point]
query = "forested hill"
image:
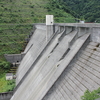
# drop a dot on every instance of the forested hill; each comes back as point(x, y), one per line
point(29, 11)
point(85, 9)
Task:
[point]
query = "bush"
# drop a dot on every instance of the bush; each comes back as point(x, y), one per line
point(91, 95)
point(5, 65)
point(10, 85)
point(6, 86)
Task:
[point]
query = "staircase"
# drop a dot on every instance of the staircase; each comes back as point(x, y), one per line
point(13, 70)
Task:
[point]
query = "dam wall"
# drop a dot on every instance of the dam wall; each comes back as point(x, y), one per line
point(38, 75)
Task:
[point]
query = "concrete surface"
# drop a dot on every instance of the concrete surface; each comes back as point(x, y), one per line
point(49, 32)
point(38, 40)
point(14, 58)
point(46, 52)
point(79, 76)
point(95, 36)
point(55, 76)
point(41, 77)
point(6, 96)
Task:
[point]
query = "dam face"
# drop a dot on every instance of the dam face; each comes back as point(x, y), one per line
point(61, 65)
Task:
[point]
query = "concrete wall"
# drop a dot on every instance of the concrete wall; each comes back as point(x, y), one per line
point(6, 96)
point(95, 36)
point(14, 58)
point(92, 28)
point(83, 30)
point(41, 27)
point(40, 31)
point(39, 77)
point(68, 29)
point(32, 50)
point(49, 32)
point(81, 74)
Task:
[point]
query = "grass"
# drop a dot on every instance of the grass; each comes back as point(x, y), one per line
point(6, 86)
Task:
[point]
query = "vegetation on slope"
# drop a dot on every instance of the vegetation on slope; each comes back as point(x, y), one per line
point(6, 86)
point(56, 8)
point(23, 11)
point(87, 9)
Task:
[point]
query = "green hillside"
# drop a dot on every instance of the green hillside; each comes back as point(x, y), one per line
point(16, 18)
point(56, 8)
point(21, 11)
point(85, 9)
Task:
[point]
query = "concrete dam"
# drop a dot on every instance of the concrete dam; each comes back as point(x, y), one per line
point(61, 62)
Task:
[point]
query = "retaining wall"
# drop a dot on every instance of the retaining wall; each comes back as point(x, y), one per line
point(6, 96)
